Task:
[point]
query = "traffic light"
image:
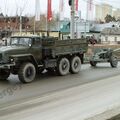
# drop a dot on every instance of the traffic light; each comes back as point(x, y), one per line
point(70, 2)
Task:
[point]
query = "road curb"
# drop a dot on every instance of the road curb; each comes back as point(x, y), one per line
point(108, 114)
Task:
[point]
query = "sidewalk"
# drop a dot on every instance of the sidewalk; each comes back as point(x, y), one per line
point(94, 101)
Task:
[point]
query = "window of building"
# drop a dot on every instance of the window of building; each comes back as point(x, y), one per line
point(106, 38)
point(115, 39)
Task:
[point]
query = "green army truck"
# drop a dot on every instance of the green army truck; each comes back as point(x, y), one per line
point(27, 56)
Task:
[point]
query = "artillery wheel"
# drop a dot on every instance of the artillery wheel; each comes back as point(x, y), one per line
point(113, 61)
point(63, 66)
point(75, 65)
point(93, 63)
point(4, 74)
point(27, 73)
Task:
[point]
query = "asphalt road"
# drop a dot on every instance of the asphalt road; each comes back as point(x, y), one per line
point(99, 100)
point(12, 90)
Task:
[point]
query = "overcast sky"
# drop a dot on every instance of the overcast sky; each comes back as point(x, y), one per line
point(12, 7)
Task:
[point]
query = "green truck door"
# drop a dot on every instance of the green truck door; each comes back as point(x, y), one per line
point(36, 49)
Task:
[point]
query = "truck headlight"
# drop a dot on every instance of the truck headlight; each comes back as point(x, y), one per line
point(11, 60)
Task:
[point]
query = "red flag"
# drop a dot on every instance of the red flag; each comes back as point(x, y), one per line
point(49, 11)
point(76, 5)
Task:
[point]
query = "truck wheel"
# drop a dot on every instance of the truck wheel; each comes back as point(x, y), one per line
point(93, 63)
point(63, 66)
point(75, 65)
point(113, 62)
point(4, 74)
point(27, 73)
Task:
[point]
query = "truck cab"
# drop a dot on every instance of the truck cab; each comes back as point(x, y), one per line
point(21, 49)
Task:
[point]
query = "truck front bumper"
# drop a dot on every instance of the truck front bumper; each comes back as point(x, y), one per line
point(6, 66)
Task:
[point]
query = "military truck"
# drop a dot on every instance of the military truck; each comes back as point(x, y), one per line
point(28, 55)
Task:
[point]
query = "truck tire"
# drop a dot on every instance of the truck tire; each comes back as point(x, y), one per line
point(113, 61)
point(4, 74)
point(75, 65)
point(93, 63)
point(27, 73)
point(63, 66)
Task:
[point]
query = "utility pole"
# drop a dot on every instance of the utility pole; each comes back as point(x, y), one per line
point(72, 25)
point(34, 26)
point(86, 18)
point(20, 22)
point(20, 25)
point(21, 11)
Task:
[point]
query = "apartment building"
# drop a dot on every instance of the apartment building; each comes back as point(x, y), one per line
point(116, 13)
point(102, 10)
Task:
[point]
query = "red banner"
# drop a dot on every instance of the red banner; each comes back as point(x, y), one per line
point(49, 10)
point(76, 5)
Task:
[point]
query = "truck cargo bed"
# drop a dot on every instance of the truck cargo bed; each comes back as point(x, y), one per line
point(55, 47)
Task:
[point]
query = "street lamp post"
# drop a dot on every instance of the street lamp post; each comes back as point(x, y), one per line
point(72, 26)
point(20, 27)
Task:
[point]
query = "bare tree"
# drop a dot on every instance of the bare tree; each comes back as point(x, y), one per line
point(41, 25)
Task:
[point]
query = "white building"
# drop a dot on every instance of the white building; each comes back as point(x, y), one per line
point(110, 35)
point(101, 11)
point(100, 27)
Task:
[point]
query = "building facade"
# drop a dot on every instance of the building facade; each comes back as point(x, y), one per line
point(13, 23)
point(116, 13)
point(102, 10)
point(110, 35)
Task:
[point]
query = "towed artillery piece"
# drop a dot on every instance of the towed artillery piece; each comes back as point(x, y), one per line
point(105, 55)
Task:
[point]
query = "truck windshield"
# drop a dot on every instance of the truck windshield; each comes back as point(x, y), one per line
point(20, 41)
